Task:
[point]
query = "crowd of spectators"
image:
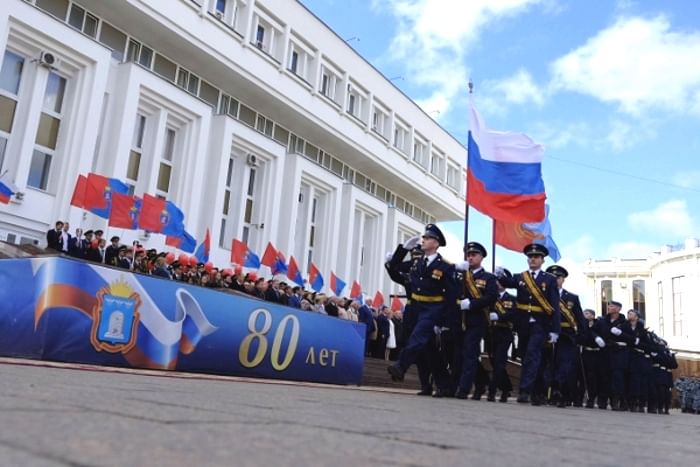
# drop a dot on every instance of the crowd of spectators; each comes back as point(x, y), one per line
point(384, 326)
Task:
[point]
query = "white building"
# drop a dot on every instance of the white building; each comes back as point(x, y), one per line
point(252, 116)
point(665, 287)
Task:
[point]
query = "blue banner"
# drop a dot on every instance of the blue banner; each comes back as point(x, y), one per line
point(56, 308)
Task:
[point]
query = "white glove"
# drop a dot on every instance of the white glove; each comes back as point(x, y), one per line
point(615, 331)
point(553, 337)
point(636, 341)
point(464, 304)
point(388, 257)
point(654, 354)
point(493, 316)
point(411, 243)
point(499, 271)
point(437, 330)
point(463, 266)
point(600, 342)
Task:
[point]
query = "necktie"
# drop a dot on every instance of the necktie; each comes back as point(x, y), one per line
point(533, 274)
point(425, 263)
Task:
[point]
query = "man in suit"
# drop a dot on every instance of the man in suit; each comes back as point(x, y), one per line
point(537, 297)
point(112, 252)
point(433, 294)
point(53, 237)
point(568, 353)
point(479, 295)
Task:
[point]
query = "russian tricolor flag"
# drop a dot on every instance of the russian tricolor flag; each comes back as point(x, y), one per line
point(315, 278)
point(355, 291)
point(293, 272)
point(7, 189)
point(202, 253)
point(504, 174)
point(337, 284)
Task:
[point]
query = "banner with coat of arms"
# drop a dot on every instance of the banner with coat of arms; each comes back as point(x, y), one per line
point(62, 309)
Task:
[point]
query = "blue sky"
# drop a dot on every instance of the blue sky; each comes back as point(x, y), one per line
point(611, 88)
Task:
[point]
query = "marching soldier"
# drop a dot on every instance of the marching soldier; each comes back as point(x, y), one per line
point(401, 275)
point(567, 354)
point(618, 337)
point(639, 364)
point(593, 357)
point(501, 339)
point(480, 294)
point(432, 288)
point(538, 298)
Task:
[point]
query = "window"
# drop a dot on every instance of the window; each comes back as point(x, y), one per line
point(208, 93)
point(638, 297)
point(249, 206)
point(312, 231)
point(10, 78)
point(58, 8)
point(294, 61)
point(223, 240)
point(264, 125)
point(166, 163)
point(300, 59)
point(229, 106)
point(47, 133)
point(114, 39)
point(660, 293)
point(165, 67)
point(221, 6)
point(401, 138)
point(329, 84)
point(83, 21)
point(453, 177)
point(380, 122)
point(420, 153)
point(260, 37)
point(356, 102)
point(134, 164)
point(436, 164)
point(677, 284)
point(605, 295)
point(188, 81)
point(247, 115)
point(139, 53)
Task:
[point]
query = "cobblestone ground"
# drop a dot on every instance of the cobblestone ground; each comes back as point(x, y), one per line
point(60, 415)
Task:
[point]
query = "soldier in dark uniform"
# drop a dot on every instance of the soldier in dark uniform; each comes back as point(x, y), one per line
point(538, 298)
point(432, 283)
point(567, 356)
point(112, 252)
point(639, 364)
point(618, 336)
point(593, 357)
point(401, 275)
point(480, 293)
point(501, 336)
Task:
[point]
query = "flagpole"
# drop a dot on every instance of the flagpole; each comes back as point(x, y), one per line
point(466, 204)
point(493, 245)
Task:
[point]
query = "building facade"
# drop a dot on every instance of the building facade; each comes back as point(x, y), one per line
point(664, 287)
point(252, 116)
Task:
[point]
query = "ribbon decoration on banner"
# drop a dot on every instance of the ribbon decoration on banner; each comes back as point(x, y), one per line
point(124, 317)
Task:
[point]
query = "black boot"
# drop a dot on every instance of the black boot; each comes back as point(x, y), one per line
point(523, 398)
point(615, 404)
point(491, 397)
point(504, 397)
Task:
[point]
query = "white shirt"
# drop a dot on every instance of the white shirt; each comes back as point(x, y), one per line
point(431, 258)
point(474, 271)
point(64, 240)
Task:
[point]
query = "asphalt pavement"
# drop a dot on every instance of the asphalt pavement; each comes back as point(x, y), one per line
point(73, 415)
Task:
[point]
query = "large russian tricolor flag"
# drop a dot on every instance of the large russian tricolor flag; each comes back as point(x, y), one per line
point(504, 173)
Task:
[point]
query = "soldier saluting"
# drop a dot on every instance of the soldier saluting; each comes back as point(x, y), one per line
point(433, 291)
point(537, 297)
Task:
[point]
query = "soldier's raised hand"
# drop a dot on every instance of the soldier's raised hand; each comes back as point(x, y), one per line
point(411, 243)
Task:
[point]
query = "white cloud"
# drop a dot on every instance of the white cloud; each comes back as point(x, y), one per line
point(638, 64)
point(687, 179)
point(579, 250)
point(670, 220)
point(518, 89)
point(631, 250)
point(453, 251)
point(433, 37)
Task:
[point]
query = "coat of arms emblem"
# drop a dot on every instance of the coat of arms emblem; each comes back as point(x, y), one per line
point(115, 318)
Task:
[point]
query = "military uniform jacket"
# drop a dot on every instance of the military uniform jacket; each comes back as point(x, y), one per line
point(573, 305)
point(428, 286)
point(507, 309)
point(479, 307)
point(527, 303)
point(589, 332)
point(623, 340)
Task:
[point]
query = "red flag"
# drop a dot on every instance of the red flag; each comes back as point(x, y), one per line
point(396, 304)
point(356, 290)
point(151, 211)
point(78, 199)
point(270, 256)
point(173, 241)
point(125, 212)
point(378, 300)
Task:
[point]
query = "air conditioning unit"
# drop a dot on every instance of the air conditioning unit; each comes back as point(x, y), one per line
point(252, 160)
point(48, 59)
